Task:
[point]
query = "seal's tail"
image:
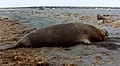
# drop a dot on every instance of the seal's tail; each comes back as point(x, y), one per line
point(7, 46)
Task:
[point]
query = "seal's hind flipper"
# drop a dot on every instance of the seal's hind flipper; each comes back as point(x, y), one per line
point(86, 41)
point(7, 46)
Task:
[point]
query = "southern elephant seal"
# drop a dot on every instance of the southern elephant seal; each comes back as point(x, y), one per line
point(61, 35)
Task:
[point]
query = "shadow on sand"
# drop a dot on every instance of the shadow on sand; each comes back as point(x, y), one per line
point(112, 43)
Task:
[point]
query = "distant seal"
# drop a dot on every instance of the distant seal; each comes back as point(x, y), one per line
point(60, 35)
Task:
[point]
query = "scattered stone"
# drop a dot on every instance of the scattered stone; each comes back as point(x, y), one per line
point(69, 65)
point(43, 63)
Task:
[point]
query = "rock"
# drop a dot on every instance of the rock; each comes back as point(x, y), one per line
point(99, 17)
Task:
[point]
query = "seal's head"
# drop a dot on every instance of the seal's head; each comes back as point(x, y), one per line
point(105, 32)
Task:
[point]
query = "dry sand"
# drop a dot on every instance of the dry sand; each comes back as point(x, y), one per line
point(10, 32)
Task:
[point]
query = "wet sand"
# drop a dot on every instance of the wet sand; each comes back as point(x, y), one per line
point(105, 53)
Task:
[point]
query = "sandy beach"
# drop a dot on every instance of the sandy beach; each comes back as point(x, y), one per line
point(15, 23)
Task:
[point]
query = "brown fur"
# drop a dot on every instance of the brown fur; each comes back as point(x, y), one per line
point(61, 35)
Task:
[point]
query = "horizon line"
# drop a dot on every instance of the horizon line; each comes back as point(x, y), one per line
point(56, 6)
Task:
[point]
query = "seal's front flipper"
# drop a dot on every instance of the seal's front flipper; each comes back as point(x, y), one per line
point(86, 41)
point(7, 46)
